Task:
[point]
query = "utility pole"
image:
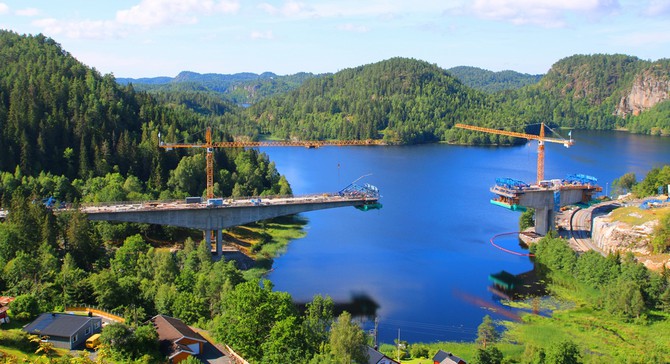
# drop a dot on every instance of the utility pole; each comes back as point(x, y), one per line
point(398, 355)
point(376, 331)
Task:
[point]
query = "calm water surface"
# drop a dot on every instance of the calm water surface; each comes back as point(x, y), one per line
point(425, 257)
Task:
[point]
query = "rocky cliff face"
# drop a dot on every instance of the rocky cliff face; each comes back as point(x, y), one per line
point(649, 88)
point(615, 236)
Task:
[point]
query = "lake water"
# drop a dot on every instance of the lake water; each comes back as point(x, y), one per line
point(425, 257)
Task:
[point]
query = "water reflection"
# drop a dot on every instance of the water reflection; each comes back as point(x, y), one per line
point(361, 305)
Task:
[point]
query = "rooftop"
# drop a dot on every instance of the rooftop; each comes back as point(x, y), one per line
point(170, 328)
point(58, 324)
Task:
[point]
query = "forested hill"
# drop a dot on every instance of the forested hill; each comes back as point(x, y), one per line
point(602, 92)
point(403, 100)
point(61, 118)
point(239, 88)
point(489, 81)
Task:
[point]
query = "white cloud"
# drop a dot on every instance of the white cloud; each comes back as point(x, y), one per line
point(28, 12)
point(353, 8)
point(289, 9)
point(646, 38)
point(147, 14)
point(261, 35)
point(228, 6)
point(151, 13)
point(547, 13)
point(658, 8)
point(353, 28)
point(4, 9)
point(88, 29)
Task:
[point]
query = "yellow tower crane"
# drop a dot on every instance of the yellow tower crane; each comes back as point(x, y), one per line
point(540, 142)
point(209, 146)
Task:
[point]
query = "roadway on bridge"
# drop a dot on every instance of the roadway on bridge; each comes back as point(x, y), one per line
point(230, 202)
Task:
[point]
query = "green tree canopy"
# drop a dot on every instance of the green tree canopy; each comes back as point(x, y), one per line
point(486, 332)
point(347, 341)
point(564, 352)
point(248, 314)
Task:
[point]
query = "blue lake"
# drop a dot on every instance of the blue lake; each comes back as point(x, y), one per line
point(425, 257)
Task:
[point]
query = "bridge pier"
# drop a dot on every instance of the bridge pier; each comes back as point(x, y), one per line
point(218, 240)
point(211, 219)
point(544, 218)
point(547, 201)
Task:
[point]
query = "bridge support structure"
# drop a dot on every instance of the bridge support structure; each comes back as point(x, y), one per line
point(218, 239)
point(546, 201)
point(213, 219)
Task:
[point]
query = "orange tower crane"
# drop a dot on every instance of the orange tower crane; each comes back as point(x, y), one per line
point(209, 146)
point(540, 142)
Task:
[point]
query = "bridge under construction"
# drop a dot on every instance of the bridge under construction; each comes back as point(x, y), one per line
point(214, 215)
point(546, 197)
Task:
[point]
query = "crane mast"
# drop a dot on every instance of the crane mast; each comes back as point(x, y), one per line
point(541, 139)
point(209, 146)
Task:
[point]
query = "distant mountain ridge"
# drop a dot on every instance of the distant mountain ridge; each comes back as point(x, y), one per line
point(239, 88)
point(409, 101)
point(489, 81)
point(402, 100)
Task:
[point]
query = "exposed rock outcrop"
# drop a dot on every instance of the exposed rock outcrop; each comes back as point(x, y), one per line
point(649, 88)
point(616, 236)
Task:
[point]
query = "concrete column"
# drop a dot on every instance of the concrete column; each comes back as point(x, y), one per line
point(542, 220)
point(219, 243)
point(208, 239)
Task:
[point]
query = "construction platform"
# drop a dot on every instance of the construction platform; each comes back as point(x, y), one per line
point(546, 197)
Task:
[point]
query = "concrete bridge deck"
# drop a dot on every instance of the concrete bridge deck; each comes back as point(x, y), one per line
point(546, 200)
point(232, 212)
point(225, 213)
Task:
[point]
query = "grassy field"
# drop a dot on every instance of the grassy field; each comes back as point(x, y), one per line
point(601, 337)
point(635, 216)
point(16, 348)
point(265, 241)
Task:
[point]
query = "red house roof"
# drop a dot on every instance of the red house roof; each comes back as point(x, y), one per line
point(5, 300)
point(170, 328)
point(170, 333)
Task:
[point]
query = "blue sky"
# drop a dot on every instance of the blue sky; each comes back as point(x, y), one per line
point(148, 38)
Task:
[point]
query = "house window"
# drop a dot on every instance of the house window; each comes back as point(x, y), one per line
point(88, 331)
point(96, 324)
point(74, 338)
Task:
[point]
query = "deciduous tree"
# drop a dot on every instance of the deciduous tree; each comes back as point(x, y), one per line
point(564, 352)
point(347, 341)
point(486, 332)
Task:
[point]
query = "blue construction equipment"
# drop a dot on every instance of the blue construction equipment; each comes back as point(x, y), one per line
point(653, 202)
point(366, 190)
point(581, 179)
point(214, 202)
point(511, 183)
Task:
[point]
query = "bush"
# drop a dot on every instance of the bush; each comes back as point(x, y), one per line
point(24, 307)
point(527, 219)
point(419, 351)
point(17, 339)
point(661, 237)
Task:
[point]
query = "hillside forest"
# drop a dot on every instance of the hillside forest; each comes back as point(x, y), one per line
point(68, 132)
